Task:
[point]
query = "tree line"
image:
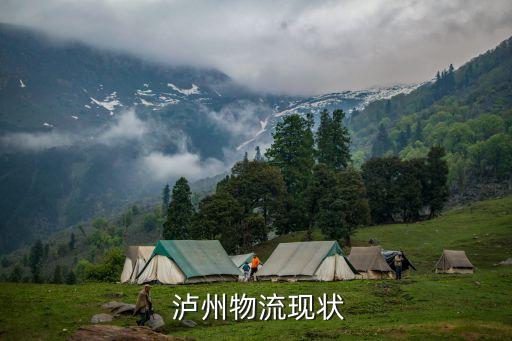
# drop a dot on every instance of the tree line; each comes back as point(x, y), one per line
point(307, 181)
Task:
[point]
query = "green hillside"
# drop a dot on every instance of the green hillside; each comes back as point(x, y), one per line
point(483, 229)
point(425, 305)
point(467, 111)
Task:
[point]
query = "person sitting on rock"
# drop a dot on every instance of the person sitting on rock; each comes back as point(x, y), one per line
point(144, 305)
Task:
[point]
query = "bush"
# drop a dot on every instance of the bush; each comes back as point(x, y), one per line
point(108, 270)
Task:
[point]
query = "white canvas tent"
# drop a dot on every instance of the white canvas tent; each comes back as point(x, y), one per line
point(307, 261)
point(136, 258)
point(370, 262)
point(239, 260)
point(454, 262)
point(188, 261)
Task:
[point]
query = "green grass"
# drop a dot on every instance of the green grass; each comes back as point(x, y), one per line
point(424, 306)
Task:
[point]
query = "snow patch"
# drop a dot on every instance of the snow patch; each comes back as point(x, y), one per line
point(74, 117)
point(147, 92)
point(192, 91)
point(110, 102)
point(87, 106)
point(46, 124)
point(22, 85)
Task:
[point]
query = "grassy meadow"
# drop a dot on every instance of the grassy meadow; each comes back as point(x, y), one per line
point(423, 306)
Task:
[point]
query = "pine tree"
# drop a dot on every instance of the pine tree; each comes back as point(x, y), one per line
point(437, 185)
point(70, 277)
point(324, 139)
point(36, 261)
point(382, 143)
point(16, 274)
point(72, 241)
point(57, 275)
point(293, 151)
point(340, 141)
point(166, 193)
point(180, 211)
point(258, 156)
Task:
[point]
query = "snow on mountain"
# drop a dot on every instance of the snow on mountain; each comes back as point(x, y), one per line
point(194, 90)
point(346, 100)
point(110, 102)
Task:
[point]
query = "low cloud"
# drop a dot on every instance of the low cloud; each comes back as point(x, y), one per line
point(241, 119)
point(299, 47)
point(127, 127)
point(163, 167)
point(37, 141)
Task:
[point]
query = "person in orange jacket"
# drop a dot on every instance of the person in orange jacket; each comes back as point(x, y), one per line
point(254, 266)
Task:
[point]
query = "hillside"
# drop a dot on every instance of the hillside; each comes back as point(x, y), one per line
point(467, 111)
point(483, 229)
point(425, 305)
point(86, 132)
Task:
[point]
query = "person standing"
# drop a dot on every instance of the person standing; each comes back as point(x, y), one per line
point(254, 266)
point(398, 265)
point(247, 271)
point(144, 306)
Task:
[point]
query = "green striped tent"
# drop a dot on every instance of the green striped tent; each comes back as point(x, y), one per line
point(188, 261)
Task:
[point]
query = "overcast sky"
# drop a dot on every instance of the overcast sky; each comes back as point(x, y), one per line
point(296, 47)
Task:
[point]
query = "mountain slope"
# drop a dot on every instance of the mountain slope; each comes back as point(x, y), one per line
point(85, 132)
point(468, 111)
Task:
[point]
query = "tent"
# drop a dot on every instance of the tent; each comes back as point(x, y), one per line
point(370, 262)
point(136, 258)
point(389, 256)
point(188, 261)
point(454, 262)
point(307, 261)
point(240, 259)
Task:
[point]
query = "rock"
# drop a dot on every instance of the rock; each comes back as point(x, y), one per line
point(156, 322)
point(507, 261)
point(101, 318)
point(112, 333)
point(112, 305)
point(189, 323)
point(124, 309)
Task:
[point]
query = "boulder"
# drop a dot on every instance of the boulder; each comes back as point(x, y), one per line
point(156, 322)
point(507, 261)
point(101, 318)
point(124, 309)
point(189, 323)
point(111, 333)
point(112, 305)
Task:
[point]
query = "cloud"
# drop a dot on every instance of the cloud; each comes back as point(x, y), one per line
point(163, 167)
point(239, 119)
point(283, 46)
point(37, 141)
point(127, 127)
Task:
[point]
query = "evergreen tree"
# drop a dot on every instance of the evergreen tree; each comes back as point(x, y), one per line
point(319, 188)
point(72, 241)
point(36, 261)
point(16, 274)
point(382, 143)
point(258, 156)
point(70, 277)
point(57, 275)
point(333, 141)
point(293, 151)
point(324, 139)
point(437, 187)
point(180, 211)
point(340, 141)
point(166, 195)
